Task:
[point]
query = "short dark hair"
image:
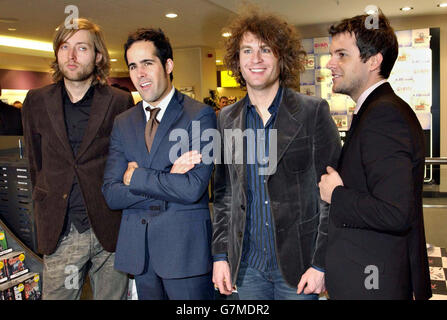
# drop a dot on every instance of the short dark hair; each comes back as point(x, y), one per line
point(158, 38)
point(371, 40)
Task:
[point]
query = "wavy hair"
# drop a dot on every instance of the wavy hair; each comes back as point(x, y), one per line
point(371, 40)
point(282, 37)
point(102, 68)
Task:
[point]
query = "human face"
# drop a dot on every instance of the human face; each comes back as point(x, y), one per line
point(147, 73)
point(77, 57)
point(258, 64)
point(223, 102)
point(349, 74)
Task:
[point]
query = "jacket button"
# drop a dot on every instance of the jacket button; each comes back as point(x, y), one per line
point(64, 196)
point(240, 235)
point(143, 221)
point(242, 207)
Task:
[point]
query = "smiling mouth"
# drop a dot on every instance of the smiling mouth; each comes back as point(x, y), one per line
point(257, 70)
point(145, 84)
point(336, 76)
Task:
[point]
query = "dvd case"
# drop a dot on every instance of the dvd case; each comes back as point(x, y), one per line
point(14, 263)
point(26, 287)
point(3, 244)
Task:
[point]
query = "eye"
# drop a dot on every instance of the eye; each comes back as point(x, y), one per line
point(131, 67)
point(63, 47)
point(246, 51)
point(82, 48)
point(266, 50)
point(147, 63)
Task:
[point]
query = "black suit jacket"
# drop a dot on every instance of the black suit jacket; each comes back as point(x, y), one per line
point(53, 165)
point(10, 120)
point(307, 142)
point(376, 218)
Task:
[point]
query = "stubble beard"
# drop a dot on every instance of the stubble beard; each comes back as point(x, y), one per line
point(348, 88)
point(81, 75)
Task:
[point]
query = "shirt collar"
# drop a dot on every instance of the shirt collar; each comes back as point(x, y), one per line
point(163, 105)
point(273, 109)
point(365, 95)
point(87, 95)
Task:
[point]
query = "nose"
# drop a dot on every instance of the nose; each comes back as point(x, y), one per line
point(257, 56)
point(141, 73)
point(330, 64)
point(72, 54)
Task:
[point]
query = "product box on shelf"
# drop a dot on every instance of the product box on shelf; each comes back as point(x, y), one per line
point(14, 263)
point(6, 292)
point(3, 272)
point(3, 244)
point(26, 287)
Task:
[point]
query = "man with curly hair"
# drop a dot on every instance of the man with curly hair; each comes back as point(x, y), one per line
point(270, 227)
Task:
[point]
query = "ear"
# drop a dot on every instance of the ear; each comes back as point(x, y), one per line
point(375, 62)
point(169, 66)
point(98, 57)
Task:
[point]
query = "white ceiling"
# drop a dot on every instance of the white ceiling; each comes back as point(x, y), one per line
point(305, 12)
point(199, 23)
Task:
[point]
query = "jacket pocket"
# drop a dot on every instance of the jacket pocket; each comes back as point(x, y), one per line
point(363, 256)
point(298, 156)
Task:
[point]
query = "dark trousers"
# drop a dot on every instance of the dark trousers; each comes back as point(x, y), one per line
point(151, 287)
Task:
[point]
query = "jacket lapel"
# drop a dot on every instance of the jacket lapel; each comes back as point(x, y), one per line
point(287, 123)
point(237, 121)
point(172, 113)
point(138, 120)
point(55, 110)
point(378, 92)
point(100, 106)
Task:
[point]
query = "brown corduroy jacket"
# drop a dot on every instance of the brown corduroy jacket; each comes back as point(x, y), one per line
point(53, 165)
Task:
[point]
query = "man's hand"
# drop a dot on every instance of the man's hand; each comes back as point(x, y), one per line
point(186, 162)
point(131, 166)
point(328, 183)
point(222, 277)
point(312, 281)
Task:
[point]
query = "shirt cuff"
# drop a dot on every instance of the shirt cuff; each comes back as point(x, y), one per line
point(220, 257)
point(316, 268)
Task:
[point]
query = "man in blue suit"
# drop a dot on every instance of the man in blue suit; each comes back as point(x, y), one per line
point(165, 231)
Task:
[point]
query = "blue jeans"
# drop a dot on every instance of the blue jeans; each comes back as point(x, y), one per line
point(253, 284)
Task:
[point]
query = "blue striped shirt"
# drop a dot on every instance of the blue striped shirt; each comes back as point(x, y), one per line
point(259, 238)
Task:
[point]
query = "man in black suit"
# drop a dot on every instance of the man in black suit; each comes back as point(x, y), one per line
point(10, 119)
point(376, 247)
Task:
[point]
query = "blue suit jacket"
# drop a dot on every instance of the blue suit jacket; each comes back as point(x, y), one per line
point(173, 207)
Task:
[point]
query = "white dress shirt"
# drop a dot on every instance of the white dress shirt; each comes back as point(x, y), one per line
point(162, 105)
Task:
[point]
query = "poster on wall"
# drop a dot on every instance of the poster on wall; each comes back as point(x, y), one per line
point(411, 77)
